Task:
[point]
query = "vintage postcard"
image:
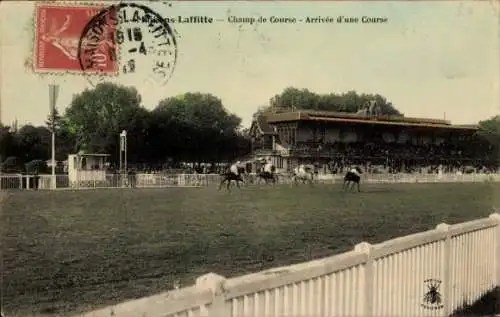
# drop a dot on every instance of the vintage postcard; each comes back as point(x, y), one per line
point(229, 158)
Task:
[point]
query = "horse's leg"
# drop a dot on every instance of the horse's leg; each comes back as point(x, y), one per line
point(221, 183)
point(238, 183)
point(358, 187)
point(228, 184)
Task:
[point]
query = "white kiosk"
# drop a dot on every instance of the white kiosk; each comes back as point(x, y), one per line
point(85, 170)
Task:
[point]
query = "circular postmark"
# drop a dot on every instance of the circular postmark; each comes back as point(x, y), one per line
point(129, 40)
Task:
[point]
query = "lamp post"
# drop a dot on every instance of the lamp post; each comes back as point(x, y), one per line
point(123, 151)
point(53, 94)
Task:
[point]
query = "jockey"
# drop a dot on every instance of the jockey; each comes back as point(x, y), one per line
point(302, 169)
point(234, 168)
point(268, 167)
point(262, 162)
point(354, 170)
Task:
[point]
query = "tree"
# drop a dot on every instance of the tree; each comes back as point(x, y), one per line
point(490, 127)
point(138, 137)
point(25, 144)
point(489, 136)
point(65, 139)
point(33, 143)
point(54, 120)
point(96, 117)
point(294, 99)
point(195, 127)
point(202, 111)
point(8, 143)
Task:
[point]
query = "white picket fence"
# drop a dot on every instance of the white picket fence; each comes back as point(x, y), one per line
point(432, 273)
point(197, 180)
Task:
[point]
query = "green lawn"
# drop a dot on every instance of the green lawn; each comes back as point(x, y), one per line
point(68, 251)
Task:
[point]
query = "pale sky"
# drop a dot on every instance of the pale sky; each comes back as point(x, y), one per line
point(430, 58)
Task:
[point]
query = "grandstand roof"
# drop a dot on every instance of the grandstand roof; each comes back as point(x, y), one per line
point(342, 117)
point(262, 124)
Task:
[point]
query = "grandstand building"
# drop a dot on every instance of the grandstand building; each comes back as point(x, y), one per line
point(327, 138)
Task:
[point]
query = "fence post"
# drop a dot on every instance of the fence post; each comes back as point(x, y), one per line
point(368, 287)
point(496, 217)
point(214, 283)
point(445, 266)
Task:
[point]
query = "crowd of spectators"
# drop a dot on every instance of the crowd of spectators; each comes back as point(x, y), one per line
point(375, 157)
point(397, 157)
point(398, 150)
point(177, 168)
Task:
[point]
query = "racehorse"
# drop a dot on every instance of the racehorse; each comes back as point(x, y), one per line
point(304, 174)
point(353, 178)
point(266, 176)
point(229, 176)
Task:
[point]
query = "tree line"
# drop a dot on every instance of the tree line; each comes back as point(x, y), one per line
point(192, 127)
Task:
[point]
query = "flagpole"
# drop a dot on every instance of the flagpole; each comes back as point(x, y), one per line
point(53, 150)
point(53, 93)
point(53, 154)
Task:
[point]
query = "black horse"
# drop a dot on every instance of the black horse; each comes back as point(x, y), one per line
point(228, 176)
point(266, 176)
point(352, 178)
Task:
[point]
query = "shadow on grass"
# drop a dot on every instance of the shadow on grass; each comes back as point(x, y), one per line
point(488, 305)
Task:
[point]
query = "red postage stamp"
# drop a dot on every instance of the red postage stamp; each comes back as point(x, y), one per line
point(58, 39)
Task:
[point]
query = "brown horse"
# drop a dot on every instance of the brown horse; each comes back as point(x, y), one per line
point(228, 176)
point(352, 178)
point(266, 176)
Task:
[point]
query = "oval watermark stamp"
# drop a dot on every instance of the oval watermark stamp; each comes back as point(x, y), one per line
point(128, 40)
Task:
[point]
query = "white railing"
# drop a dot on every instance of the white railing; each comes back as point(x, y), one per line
point(432, 273)
point(196, 180)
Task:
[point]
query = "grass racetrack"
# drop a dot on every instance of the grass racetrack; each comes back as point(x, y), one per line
point(68, 251)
